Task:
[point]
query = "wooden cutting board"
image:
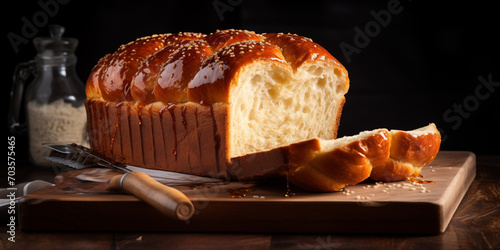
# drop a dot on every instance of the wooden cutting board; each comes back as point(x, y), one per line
point(393, 208)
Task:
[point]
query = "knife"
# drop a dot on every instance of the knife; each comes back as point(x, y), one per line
point(167, 200)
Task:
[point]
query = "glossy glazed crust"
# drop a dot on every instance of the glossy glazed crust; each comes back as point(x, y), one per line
point(114, 75)
point(176, 68)
point(383, 156)
point(179, 70)
point(223, 38)
point(347, 165)
point(410, 151)
point(162, 102)
point(298, 49)
point(146, 78)
point(92, 89)
point(417, 149)
point(308, 167)
point(117, 72)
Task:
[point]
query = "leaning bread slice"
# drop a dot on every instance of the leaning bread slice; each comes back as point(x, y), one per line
point(319, 165)
point(410, 151)
point(345, 161)
point(329, 165)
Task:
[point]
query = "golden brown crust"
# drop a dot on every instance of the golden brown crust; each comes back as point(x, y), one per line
point(410, 151)
point(346, 165)
point(142, 70)
point(298, 49)
point(116, 73)
point(92, 89)
point(316, 169)
point(143, 84)
point(392, 171)
point(161, 137)
point(216, 75)
point(149, 73)
point(183, 36)
point(224, 38)
point(179, 70)
point(414, 148)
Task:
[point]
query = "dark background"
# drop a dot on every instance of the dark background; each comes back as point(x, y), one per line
point(417, 69)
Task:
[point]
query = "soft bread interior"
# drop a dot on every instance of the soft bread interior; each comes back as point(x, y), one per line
point(431, 128)
point(329, 145)
point(274, 106)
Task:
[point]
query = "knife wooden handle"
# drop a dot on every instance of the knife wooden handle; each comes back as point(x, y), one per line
point(167, 200)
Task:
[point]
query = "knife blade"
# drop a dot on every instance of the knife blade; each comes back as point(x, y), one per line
point(77, 156)
point(167, 200)
point(165, 177)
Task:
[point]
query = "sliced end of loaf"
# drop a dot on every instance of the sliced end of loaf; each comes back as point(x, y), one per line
point(274, 106)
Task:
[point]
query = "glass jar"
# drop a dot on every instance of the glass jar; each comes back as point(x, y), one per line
point(54, 100)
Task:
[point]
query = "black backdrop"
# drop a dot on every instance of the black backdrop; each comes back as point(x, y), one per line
point(410, 62)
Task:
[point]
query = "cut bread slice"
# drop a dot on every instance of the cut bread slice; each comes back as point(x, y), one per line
point(329, 165)
point(346, 161)
point(410, 151)
point(319, 165)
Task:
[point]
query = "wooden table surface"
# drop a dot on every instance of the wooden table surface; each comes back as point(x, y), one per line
point(475, 225)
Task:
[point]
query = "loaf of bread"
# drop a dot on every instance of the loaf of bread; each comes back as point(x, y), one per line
point(239, 105)
point(191, 102)
point(329, 165)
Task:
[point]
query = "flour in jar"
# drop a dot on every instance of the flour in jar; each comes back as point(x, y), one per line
point(52, 123)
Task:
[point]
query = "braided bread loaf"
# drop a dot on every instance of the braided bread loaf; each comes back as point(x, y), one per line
point(191, 102)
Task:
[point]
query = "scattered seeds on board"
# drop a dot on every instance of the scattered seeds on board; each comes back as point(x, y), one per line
point(387, 188)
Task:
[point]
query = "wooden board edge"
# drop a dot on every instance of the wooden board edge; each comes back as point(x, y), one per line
point(448, 209)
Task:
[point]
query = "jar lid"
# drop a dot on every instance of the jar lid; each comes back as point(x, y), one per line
point(56, 44)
